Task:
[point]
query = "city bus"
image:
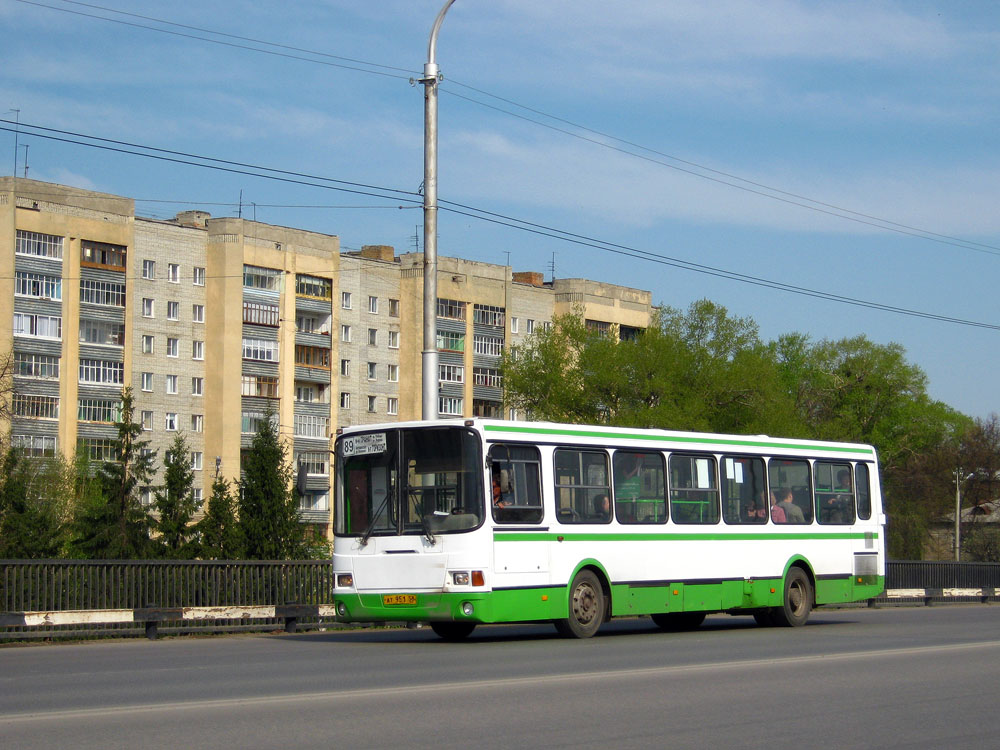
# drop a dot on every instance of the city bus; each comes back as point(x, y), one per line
point(461, 522)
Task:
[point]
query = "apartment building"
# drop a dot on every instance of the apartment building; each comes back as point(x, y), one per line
point(217, 323)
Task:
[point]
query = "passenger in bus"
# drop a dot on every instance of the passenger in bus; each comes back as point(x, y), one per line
point(840, 508)
point(602, 508)
point(755, 510)
point(500, 498)
point(793, 513)
point(777, 514)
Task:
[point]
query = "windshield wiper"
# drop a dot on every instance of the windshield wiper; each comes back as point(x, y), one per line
point(363, 541)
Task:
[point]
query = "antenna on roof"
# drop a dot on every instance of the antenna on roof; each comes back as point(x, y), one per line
point(552, 267)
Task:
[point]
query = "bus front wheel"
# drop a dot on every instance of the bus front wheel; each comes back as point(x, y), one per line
point(453, 631)
point(797, 601)
point(586, 607)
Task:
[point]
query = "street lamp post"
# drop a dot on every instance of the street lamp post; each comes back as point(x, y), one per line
point(430, 356)
point(960, 476)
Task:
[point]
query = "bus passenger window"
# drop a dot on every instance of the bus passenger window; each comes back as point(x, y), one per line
point(864, 492)
point(582, 486)
point(640, 488)
point(791, 490)
point(834, 493)
point(515, 479)
point(694, 492)
point(744, 490)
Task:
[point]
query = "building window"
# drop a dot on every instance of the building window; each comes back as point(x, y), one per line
point(173, 347)
point(393, 308)
point(197, 386)
point(392, 373)
point(102, 255)
point(35, 445)
point(97, 449)
point(174, 273)
point(198, 498)
point(251, 421)
point(392, 405)
point(259, 386)
point(35, 407)
point(147, 382)
point(312, 286)
point(450, 341)
point(38, 244)
point(451, 374)
point(312, 356)
point(393, 339)
point(345, 400)
point(267, 279)
point(451, 405)
point(488, 345)
point(371, 404)
point(488, 409)
point(486, 376)
point(101, 371)
point(316, 464)
point(38, 326)
point(172, 385)
point(306, 394)
point(513, 325)
point(101, 332)
point(198, 313)
point(196, 459)
point(198, 276)
point(345, 334)
point(147, 344)
point(149, 269)
point(488, 315)
point(260, 314)
point(197, 350)
point(148, 308)
point(170, 421)
point(37, 285)
point(106, 293)
point(372, 370)
point(452, 309)
point(372, 337)
point(197, 423)
point(345, 300)
point(102, 410)
point(173, 310)
point(147, 420)
point(529, 326)
point(311, 425)
point(260, 350)
point(373, 305)
point(312, 324)
point(345, 367)
point(29, 365)
point(315, 501)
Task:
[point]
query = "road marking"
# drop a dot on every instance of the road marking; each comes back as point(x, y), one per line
point(489, 683)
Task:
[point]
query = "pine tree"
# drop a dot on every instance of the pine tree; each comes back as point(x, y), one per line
point(112, 523)
point(31, 524)
point(268, 505)
point(221, 537)
point(175, 502)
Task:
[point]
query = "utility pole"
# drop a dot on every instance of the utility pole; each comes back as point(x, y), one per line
point(429, 361)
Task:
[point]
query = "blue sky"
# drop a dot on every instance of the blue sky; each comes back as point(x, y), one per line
point(845, 147)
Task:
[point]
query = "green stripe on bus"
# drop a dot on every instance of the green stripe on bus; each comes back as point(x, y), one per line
point(514, 536)
point(744, 442)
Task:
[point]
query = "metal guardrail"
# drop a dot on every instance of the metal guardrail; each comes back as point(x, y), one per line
point(42, 598)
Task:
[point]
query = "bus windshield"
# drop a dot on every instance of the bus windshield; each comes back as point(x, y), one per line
point(415, 481)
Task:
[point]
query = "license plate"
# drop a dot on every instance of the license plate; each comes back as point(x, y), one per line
point(390, 600)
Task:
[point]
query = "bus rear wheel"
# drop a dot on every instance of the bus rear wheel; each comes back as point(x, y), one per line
point(586, 607)
point(677, 621)
point(453, 631)
point(797, 600)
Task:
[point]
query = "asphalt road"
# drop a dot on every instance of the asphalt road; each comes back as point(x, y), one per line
point(855, 678)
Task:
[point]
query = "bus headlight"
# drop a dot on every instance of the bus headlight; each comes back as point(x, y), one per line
point(460, 577)
point(345, 580)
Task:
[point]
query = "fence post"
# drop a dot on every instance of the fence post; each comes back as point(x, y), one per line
point(151, 625)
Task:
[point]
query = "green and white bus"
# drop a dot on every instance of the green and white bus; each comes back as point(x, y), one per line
point(473, 521)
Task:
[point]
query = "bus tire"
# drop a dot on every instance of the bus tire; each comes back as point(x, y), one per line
point(586, 607)
point(453, 631)
point(678, 621)
point(797, 600)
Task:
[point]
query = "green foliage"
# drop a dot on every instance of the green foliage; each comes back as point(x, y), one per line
point(175, 502)
point(268, 508)
point(111, 522)
point(221, 536)
point(32, 523)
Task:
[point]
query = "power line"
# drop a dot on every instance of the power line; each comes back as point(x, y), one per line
point(497, 218)
point(690, 167)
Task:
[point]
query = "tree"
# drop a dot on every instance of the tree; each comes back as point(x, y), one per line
point(32, 523)
point(111, 523)
point(268, 506)
point(175, 501)
point(6, 385)
point(221, 537)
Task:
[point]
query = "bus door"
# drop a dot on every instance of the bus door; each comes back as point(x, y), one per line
point(516, 503)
